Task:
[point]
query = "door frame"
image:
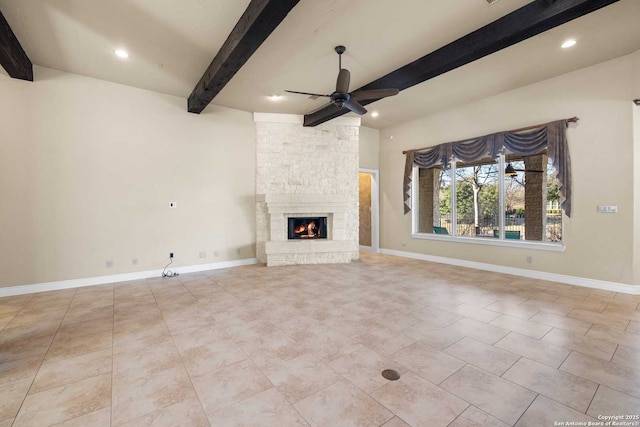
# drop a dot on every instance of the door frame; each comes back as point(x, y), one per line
point(375, 209)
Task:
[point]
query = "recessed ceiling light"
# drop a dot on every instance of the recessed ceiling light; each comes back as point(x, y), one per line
point(121, 53)
point(568, 43)
point(275, 97)
point(374, 114)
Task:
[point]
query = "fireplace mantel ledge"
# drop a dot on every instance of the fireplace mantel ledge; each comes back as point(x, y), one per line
point(302, 198)
point(307, 203)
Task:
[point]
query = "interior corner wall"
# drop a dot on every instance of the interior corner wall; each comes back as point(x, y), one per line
point(635, 94)
point(636, 191)
point(598, 246)
point(88, 169)
point(369, 148)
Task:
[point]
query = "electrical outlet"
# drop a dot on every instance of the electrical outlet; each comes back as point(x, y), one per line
point(170, 254)
point(607, 209)
point(529, 259)
point(202, 254)
point(404, 243)
point(238, 251)
point(109, 263)
point(134, 261)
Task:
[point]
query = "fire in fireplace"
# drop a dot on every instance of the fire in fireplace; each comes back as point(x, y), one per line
point(308, 228)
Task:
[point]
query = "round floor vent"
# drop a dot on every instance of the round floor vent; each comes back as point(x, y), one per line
point(391, 374)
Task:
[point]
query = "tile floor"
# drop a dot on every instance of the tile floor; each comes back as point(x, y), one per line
point(305, 345)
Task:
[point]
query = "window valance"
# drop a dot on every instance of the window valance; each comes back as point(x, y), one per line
point(551, 136)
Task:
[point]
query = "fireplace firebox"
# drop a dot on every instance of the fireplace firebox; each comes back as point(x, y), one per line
point(307, 227)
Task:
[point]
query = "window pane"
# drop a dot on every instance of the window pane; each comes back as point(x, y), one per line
point(443, 204)
point(514, 198)
point(531, 199)
point(554, 212)
point(434, 201)
point(477, 199)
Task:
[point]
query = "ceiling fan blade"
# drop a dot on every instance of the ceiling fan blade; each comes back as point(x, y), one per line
point(355, 106)
point(306, 93)
point(373, 94)
point(342, 85)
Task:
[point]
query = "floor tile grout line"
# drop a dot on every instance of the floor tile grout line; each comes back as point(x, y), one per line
point(614, 353)
point(23, 307)
point(43, 359)
point(513, 364)
point(15, 314)
point(529, 406)
point(592, 398)
point(184, 367)
point(452, 374)
point(458, 416)
point(588, 330)
point(565, 359)
point(370, 395)
point(547, 333)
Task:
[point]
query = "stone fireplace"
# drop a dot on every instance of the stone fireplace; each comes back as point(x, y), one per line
point(303, 175)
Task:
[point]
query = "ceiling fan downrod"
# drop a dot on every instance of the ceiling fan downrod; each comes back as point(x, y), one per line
point(340, 50)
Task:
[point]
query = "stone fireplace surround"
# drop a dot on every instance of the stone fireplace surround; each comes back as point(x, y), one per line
point(306, 172)
point(279, 250)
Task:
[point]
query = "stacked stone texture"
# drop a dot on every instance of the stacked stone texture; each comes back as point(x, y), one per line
point(292, 159)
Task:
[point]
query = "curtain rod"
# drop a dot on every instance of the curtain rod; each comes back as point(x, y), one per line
point(567, 121)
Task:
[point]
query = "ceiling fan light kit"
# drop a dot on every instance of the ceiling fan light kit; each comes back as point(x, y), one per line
point(341, 97)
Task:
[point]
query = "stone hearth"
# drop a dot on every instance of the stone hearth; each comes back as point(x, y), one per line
point(279, 250)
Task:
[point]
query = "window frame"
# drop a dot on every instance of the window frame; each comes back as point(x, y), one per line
point(500, 241)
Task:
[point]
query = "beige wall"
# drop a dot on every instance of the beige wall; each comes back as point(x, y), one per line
point(87, 171)
point(635, 94)
point(369, 148)
point(598, 246)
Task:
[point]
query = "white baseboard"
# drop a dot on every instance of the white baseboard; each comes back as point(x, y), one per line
point(114, 278)
point(533, 274)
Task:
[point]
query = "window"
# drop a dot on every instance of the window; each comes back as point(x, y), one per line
point(513, 198)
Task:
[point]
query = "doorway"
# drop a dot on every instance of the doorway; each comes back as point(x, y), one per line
point(369, 209)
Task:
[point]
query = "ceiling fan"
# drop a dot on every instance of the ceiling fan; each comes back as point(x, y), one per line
point(342, 98)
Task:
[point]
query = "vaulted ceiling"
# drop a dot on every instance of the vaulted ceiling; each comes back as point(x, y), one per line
point(171, 43)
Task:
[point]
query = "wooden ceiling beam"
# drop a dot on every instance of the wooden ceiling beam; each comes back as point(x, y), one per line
point(256, 23)
point(12, 57)
point(521, 24)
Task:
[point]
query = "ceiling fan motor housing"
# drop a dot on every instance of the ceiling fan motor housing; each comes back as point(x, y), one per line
point(340, 98)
